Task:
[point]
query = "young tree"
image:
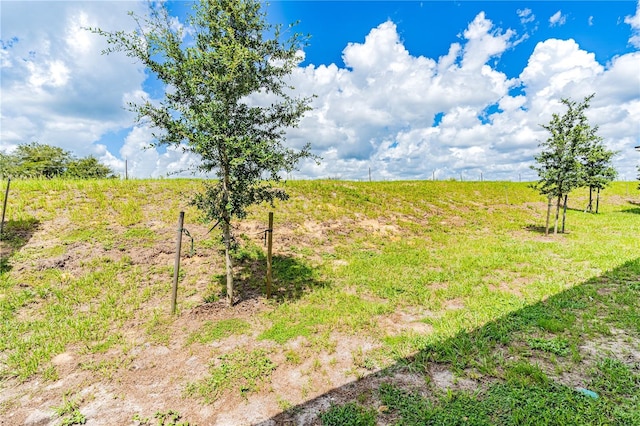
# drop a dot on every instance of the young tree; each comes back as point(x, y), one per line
point(598, 170)
point(39, 160)
point(211, 69)
point(559, 165)
point(87, 168)
point(36, 160)
point(7, 166)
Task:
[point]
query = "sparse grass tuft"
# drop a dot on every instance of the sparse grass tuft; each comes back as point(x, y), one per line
point(349, 414)
point(69, 413)
point(239, 370)
point(211, 331)
point(557, 345)
point(162, 418)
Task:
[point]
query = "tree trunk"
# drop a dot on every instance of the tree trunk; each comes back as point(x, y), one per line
point(590, 205)
point(598, 200)
point(564, 211)
point(549, 204)
point(227, 254)
point(555, 226)
point(226, 229)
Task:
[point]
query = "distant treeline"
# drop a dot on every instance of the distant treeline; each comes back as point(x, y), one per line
point(35, 160)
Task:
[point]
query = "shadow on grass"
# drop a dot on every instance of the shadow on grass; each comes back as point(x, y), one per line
point(291, 277)
point(500, 363)
point(537, 229)
point(15, 235)
point(633, 210)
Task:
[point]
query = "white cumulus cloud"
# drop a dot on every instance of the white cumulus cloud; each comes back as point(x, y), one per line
point(384, 108)
point(557, 19)
point(634, 22)
point(57, 87)
point(526, 15)
point(408, 116)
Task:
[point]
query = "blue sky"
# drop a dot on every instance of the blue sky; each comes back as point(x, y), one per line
point(428, 28)
point(409, 89)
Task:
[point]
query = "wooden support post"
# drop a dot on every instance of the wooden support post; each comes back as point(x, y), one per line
point(4, 206)
point(564, 211)
point(269, 252)
point(546, 229)
point(176, 266)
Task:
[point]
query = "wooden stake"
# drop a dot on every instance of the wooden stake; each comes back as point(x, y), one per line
point(555, 226)
point(226, 232)
point(176, 265)
point(564, 211)
point(269, 251)
point(4, 206)
point(546, 230)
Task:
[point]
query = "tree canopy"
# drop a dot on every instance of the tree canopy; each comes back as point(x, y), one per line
point(572, 156)
point(36, 160)
point(228, 100)
point(598, 170)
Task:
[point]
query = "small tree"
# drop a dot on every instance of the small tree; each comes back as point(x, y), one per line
point(7, 166)
point(559, 165)
point(36, 160)
point(211, 70)
point(598, 170)
point(40, 160)
point(87, 168)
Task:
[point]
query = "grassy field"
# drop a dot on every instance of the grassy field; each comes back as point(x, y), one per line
point(395, 303)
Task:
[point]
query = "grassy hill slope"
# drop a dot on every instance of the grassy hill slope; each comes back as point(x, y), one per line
point(435, 296)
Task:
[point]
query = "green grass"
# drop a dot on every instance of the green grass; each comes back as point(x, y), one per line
point(69, 413)
point(107, 295)
point(161, 418)
point(211, 331)
point(322, 310)
point(521, 388)
point(45, 309)
point(502, 304)
point(238, 370)
point(511, 403)
point(349, 414)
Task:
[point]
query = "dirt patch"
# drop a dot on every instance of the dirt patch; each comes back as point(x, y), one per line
point(405, 322)
point(513, 286)
point(444, 379)
point(375, 225)
point(618, 346)
point(454, 304)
